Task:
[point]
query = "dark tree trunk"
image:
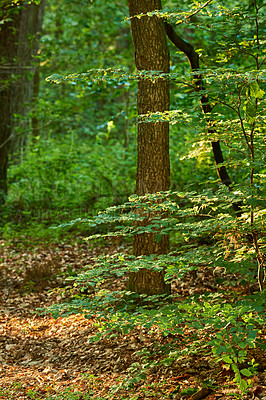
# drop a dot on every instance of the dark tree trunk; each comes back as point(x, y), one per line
point(193, 58)
point(18, 48)
point(153, 169)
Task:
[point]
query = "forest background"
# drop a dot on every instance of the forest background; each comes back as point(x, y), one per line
point(72, 165)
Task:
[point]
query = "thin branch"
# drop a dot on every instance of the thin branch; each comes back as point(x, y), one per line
point(8, 139)
point(259, 7)
point(23, 132)
point(226, 37)
point(179, 22)
point(235, 149)
point(199, 9)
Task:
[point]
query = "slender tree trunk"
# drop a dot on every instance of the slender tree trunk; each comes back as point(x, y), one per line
point(35, 125)
point(18, 48)
point(153, 169)
point(193, 58)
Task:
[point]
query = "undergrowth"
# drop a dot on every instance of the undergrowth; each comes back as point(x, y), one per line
point(224, 322)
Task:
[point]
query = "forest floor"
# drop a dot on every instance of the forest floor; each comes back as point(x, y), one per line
point(46, 358)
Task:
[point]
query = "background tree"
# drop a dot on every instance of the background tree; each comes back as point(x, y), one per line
point(83, 131)
point(21, 24)
point(153, 166)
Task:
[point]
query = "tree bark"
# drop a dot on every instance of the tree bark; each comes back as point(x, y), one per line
point(18, 48)
point(153, 168)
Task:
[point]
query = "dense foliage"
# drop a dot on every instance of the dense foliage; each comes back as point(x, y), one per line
point(83, 161)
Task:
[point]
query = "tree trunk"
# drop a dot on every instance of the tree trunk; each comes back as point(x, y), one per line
point(35, 124)
point(153, 169)
point(193, 58)
point(18, 48)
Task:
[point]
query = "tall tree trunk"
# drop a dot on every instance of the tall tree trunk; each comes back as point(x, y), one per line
point(18, 48)
point(153, 169)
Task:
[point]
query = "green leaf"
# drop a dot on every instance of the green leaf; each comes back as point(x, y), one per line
point(167, 362)
point(255, 90)
point(250, 110)
point(235, 369)
point(243, 385)
point(242, 353)
point(252, 334)
point(142, 376)
point(227, 359)
point(246, 372)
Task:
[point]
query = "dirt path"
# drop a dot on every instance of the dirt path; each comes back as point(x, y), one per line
point(46, 358)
